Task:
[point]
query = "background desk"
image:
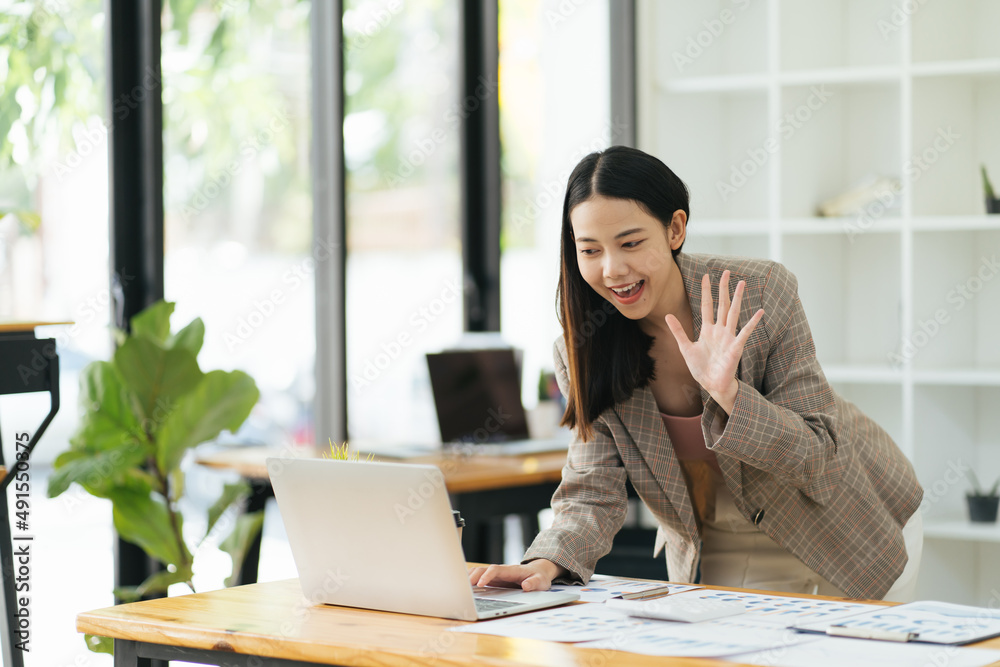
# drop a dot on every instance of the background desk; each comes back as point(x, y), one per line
point(240, 626)
point(483, 488)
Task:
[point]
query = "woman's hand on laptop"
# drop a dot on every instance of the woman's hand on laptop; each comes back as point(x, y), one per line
point(534, 576)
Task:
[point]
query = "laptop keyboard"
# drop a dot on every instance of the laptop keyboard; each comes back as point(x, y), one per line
point(483, 604)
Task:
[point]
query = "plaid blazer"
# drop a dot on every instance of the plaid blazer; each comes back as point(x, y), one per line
point(806, 466)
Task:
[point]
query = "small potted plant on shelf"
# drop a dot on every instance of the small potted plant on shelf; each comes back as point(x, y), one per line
point(992, 202)
point(982, 504)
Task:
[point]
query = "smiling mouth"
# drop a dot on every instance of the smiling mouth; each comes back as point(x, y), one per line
point(628, 290)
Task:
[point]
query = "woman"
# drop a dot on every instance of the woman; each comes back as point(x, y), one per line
point(713, 406)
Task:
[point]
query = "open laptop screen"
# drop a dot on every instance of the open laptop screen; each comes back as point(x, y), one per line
point(477, 395)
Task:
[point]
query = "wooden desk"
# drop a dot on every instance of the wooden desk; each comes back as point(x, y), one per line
point(272, 624)
point(462, 474)
point(483, 488)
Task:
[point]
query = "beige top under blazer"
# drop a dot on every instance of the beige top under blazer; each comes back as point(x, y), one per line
point(806, 466)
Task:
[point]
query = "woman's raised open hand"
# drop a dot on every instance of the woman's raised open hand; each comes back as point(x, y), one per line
point(714, 357)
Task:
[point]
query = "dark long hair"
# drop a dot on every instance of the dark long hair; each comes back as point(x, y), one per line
point(607, 353)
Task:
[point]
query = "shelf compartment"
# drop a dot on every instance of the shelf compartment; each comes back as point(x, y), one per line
point(712, 154)
point(850, 34)
point(981, 67)
point(956, 430)
point(972, 377)
point(716, 84)
point(704, 39)
point(842, 75)
point(958, 223)
point(956, 302)
point(954, 132)
point(955, 30)
point(743, 245)
point(850, 290)
point(717, 227)
point(961, 529)
point(832, 142)
point(862, 374)
point(849, 226)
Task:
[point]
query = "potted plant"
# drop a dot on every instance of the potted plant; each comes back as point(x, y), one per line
point(992, 202)
point(140, 412)
point(982, 504)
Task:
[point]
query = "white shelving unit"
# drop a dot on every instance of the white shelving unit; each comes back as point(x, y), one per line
point(765, 108)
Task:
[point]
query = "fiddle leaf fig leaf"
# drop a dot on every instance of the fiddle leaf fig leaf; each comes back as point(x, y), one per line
point(145, 522)
point(140, 413)
point(98, 473)
point(157, 376)
point(156, 584)
point(222, 400)
point(190, 337)
point(238, 543)
point(154, 321)
point(100, 644)
point(107, 420)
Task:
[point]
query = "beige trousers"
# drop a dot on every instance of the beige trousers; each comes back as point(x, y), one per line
point(736, 553)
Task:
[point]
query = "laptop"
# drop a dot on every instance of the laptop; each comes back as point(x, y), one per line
point(477, 397)
point(382, 536)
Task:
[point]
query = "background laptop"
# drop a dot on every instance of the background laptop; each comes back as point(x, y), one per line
point(382, 536)
point(477, 397)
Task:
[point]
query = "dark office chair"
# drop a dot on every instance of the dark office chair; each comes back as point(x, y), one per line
point(27, 364)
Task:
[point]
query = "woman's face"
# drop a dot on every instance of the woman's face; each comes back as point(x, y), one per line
point(624, 254)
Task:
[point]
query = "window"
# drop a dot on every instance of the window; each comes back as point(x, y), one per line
point(237, 225)
point(404, 268)
point(554, 109)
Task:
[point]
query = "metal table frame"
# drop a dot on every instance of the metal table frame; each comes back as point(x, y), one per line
point(130, 653)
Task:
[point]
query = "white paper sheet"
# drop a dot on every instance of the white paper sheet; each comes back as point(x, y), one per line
point(707, 639)
point(937, 622)
point(785, 611)
point(836, 652)
point(570, 623)
point(601, 588)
